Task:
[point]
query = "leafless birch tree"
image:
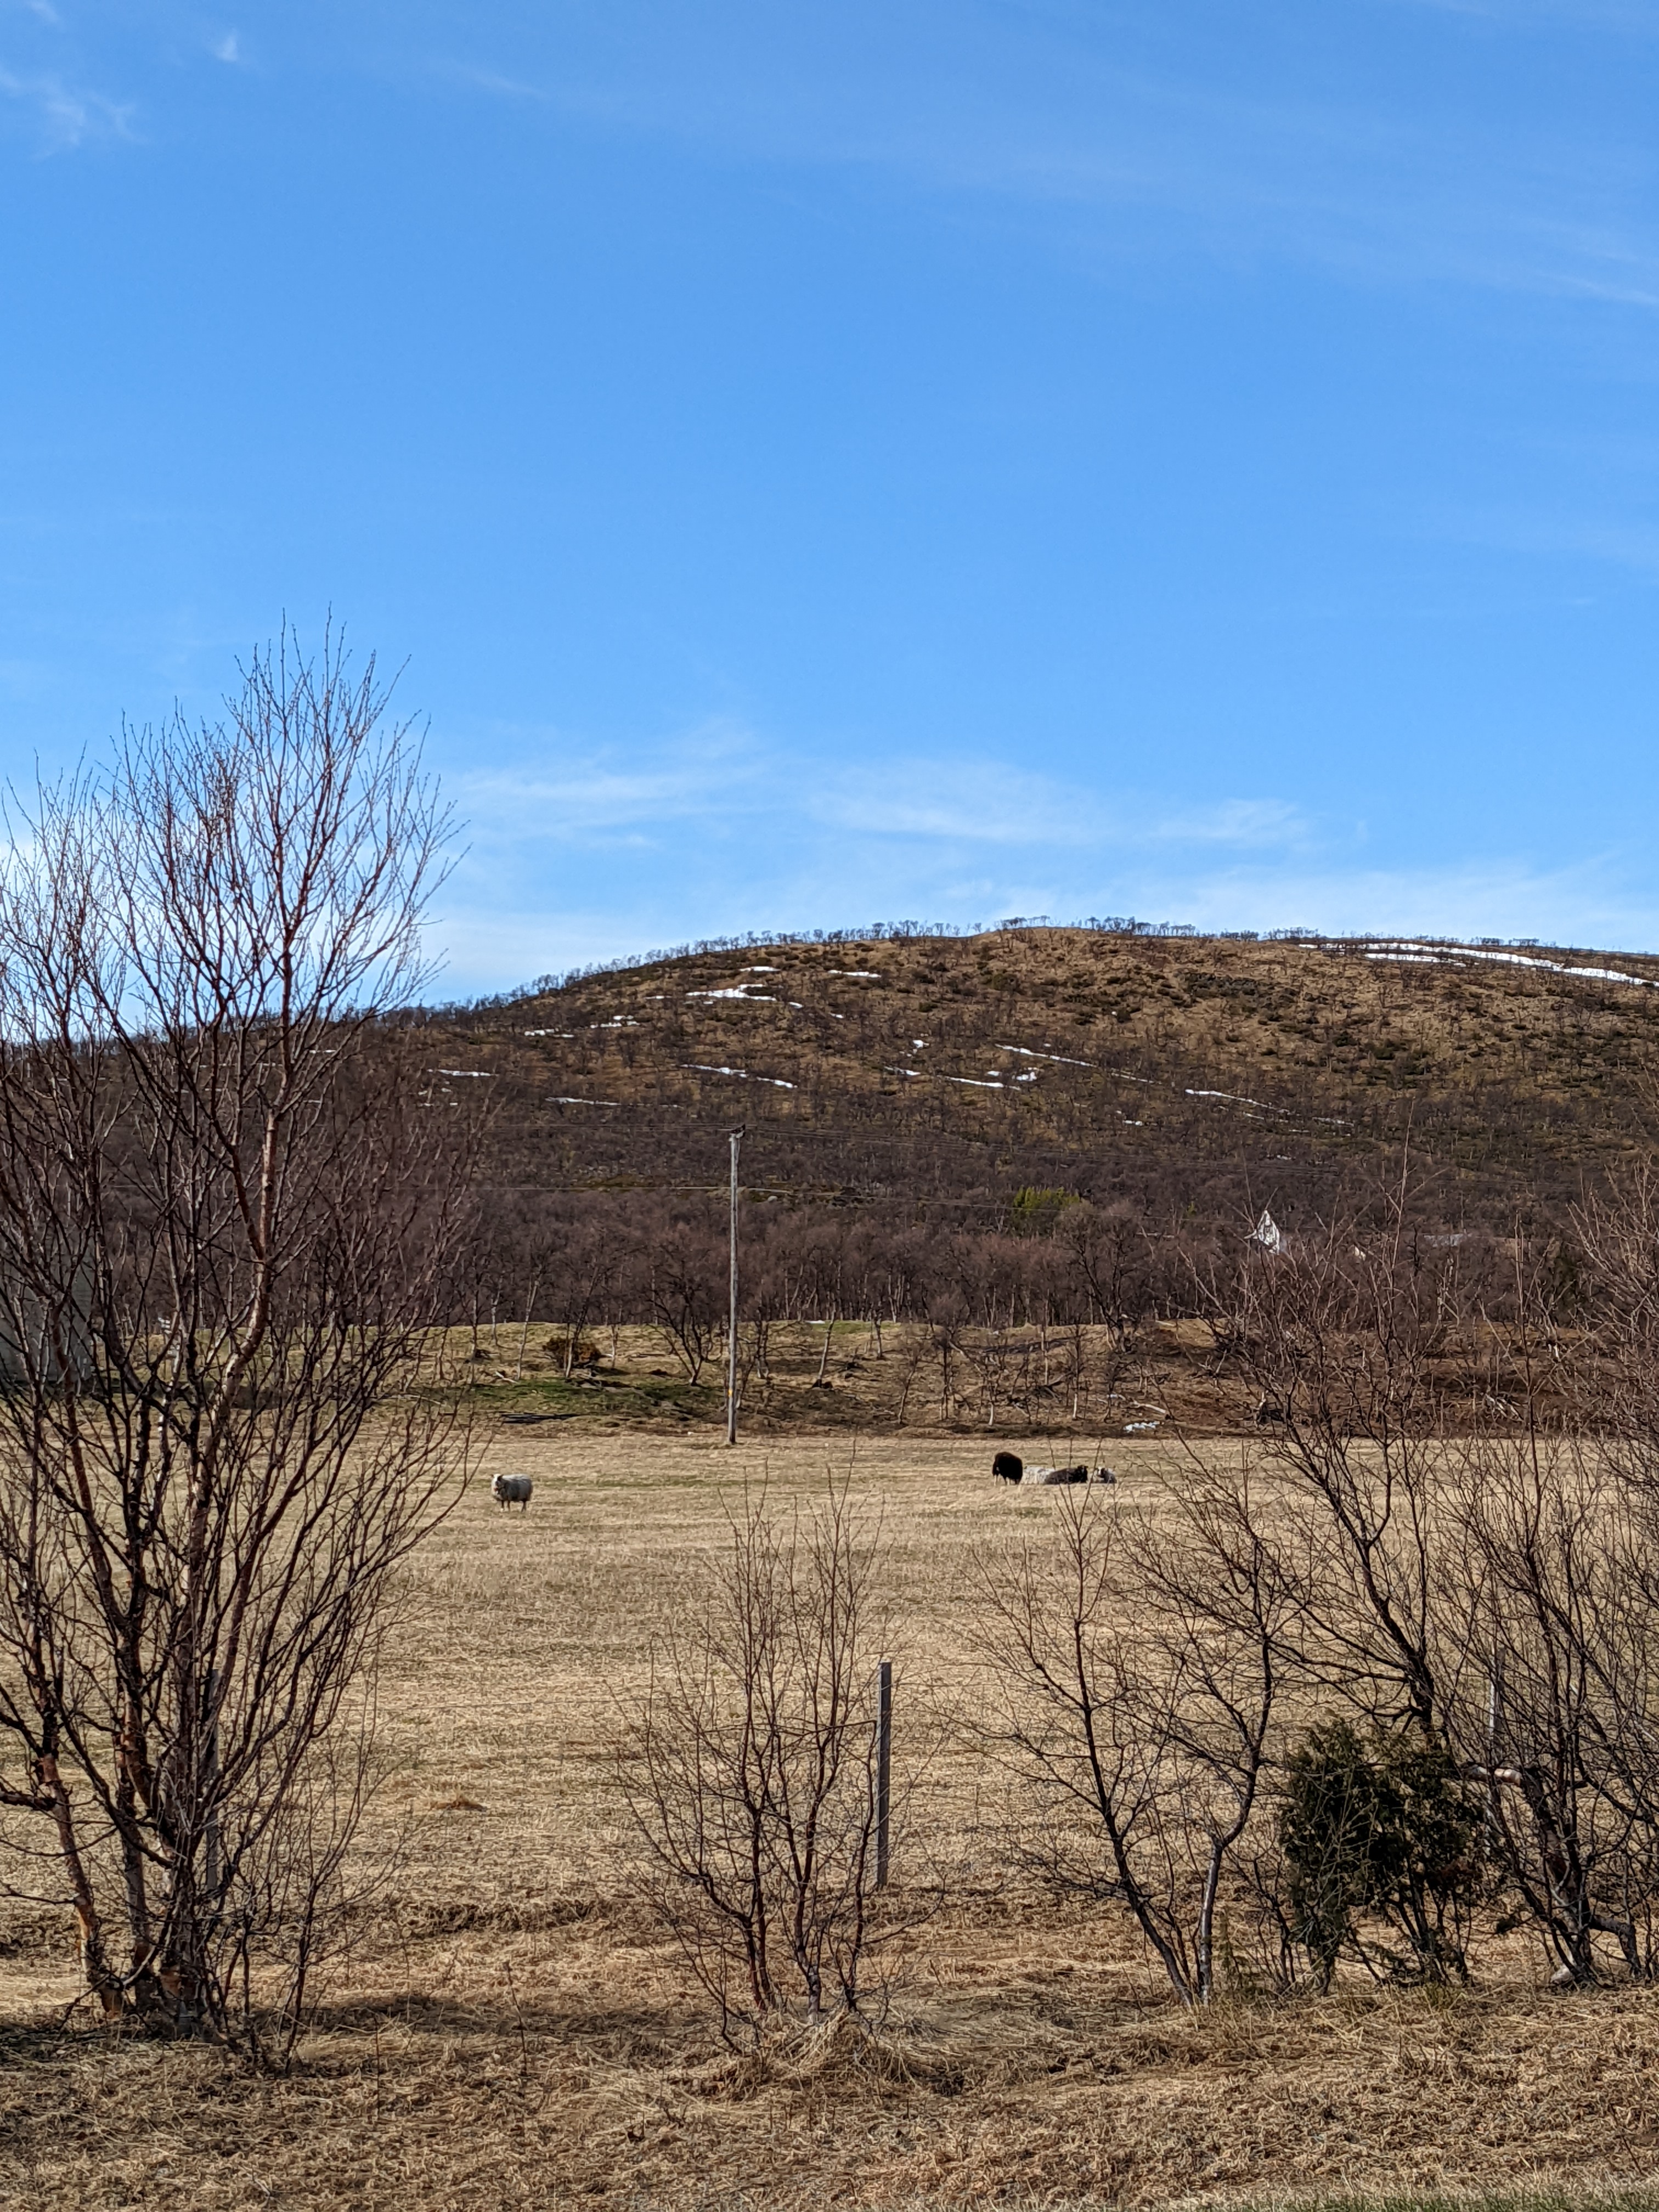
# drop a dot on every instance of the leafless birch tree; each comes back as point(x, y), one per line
point(223, 1209)
point(1339, 1333)
point(1140, 1672)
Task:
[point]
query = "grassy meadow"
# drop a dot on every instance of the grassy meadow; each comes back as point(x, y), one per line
point(511, 2027)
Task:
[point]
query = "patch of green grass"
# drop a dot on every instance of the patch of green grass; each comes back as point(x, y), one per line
point(624, 1397)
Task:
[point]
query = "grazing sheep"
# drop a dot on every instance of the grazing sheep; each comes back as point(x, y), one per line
point(511, 1490)
point(1009, 1467)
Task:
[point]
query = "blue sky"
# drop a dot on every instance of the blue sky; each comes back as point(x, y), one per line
point(825, 463)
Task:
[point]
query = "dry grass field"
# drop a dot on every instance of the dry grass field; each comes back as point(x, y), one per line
point(513, 2030)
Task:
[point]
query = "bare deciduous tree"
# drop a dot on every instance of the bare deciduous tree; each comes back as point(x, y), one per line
point(1550, 1585)
point(222, 1208)
point(684, 1281)
point(1141, 1671)
point(749, 1770)
point(1339, 1333)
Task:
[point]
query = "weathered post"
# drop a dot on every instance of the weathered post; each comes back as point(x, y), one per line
point(884, 1769)
point(732, 1317)
point(210, 1872)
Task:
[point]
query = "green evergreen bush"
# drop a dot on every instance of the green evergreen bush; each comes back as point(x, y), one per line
point(1378, 1825)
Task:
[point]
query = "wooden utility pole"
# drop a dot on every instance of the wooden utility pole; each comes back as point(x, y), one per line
point(732, 1317)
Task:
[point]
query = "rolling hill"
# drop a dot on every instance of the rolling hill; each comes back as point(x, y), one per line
point(949, 1074)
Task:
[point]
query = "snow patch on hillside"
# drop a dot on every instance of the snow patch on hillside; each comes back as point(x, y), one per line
point(1027, 1052)
point(1455, 956)
point(1234, 1098)
point(742, 1074)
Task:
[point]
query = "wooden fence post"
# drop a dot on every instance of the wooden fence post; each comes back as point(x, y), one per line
point(210, 1776)
point(883, 1770)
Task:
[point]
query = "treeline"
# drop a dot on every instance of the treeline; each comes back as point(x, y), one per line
point(587, 1261)
point(882, 933)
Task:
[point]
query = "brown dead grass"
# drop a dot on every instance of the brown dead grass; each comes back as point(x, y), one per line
point(513, 2031)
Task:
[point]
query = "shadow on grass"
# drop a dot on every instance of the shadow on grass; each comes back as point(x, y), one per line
point(1549, 2197)
point(453, 2018)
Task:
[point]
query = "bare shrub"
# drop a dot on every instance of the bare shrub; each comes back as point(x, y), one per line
point(750, 1769)
point(1339, 1333)
point(1466, 1576)
point(1139, 1674)
point(1551, 1587)
point(686, 1280)
point(223, 1205)
point(1480, 1574)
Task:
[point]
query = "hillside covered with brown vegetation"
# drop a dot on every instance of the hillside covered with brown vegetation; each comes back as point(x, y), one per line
point(962, 1069)
point(903, 1092)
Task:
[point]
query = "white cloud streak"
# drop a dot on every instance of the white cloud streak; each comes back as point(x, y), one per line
point(1018, 107)
point(64, 116)
point(723, 774)
point(724, 833)
point(716, 769)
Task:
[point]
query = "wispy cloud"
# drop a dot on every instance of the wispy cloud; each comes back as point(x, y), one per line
point(228, 48)
point(1607, 539)
point(1634, 17)
point(954, 801)
point(64, 116)
point(1035, 108)
point(721, 831)
point(1245, 822)
point(492, 83)
point(586, 792)
point(724, 775)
